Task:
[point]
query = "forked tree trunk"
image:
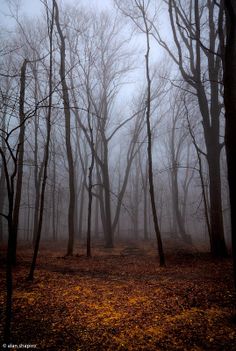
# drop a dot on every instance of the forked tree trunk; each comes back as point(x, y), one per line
point(210, 108)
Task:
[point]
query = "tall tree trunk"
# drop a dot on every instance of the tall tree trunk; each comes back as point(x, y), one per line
point(96, 218)
point(208, 97)
point(149, 149)
point(230, 114)
point(2, 200)
point(66, 103)
point(144, 178)
point(54, 232)
point(16, 209)
point(81, 209)
point(136, 203)
point(218, 248)
point(29, 209)
point(107, 206)
point(90, 195)
point(10, 247)
point(9, 282)
point(46, 154)
point(2, 177)
point(200, 171)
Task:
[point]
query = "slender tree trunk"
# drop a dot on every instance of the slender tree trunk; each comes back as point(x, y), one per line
point(107, 206)
point(81, 210)
point(29, 209)
point(176, 206)
point(136, 204)
point(16, 209)
point(10, 248)
point(9, 287)
point(144, 178)
point(90, 195)
point(230, 114)
point(57, 212)
point(96, 218)
point(37, 180)
point(2, 178)
point(66, 103)
point(46, 157)
point(54, 232)
point(2, 200)
point(149, 149)
point(36, 209)
point(204, 194)
point(9, 281)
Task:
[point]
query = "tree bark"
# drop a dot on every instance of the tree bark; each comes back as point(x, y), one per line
point(230, 114)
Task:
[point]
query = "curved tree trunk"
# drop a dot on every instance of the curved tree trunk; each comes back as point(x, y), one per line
point(149, 149)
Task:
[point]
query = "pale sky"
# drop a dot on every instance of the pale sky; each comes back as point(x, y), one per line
point(33, 7)
point(30, 7)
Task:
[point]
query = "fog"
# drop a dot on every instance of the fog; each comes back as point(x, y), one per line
point(117, 174)
point(99, 150)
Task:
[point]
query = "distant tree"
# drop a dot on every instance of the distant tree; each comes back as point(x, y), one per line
point(200, 155)
point(177, 146)
point(106, 64)
point(137, 11)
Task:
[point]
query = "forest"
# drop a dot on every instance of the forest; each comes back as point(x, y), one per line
point(117, 175)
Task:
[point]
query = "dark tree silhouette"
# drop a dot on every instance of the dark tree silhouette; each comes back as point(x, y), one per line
point(230, 113)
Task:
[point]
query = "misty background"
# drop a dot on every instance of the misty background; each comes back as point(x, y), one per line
point(105, 73)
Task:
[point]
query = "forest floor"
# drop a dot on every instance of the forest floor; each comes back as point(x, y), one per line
point(120, 299)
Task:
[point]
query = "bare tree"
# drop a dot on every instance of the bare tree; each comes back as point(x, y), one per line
point(199, 62)
point(9, 155)
point(140, 13)
point(46, 148)
point(176, 147)
point(66, 103)
point(20, 160)
point(102, 48)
